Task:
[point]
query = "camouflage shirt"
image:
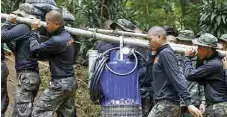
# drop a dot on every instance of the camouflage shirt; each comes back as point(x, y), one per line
point(195, 89)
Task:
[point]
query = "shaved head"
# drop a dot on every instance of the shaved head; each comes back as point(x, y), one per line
point(56, 16)
point(54, 20)
point(157, 31)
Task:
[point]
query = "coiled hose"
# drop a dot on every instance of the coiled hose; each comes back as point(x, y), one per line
point(97, 69)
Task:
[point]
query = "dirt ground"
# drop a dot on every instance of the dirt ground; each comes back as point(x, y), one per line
point(85, 108)
point(11, 84)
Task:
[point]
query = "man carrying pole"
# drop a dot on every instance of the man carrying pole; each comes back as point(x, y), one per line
point(209, 73)
point(28, 79)
point(167, 79)
point(60, 50)
point(195, 89)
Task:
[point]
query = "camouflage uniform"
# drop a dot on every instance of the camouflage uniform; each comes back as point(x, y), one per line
point(44, 5)
point(165, 109)
point(224, 37)
point(217, 110)
point(26, 90)
point(120, 24)
point(59, 97)
point(26, 67)
point(166, 93)
point(223, 41)
point(4, 94)
point(124, 25)
point(59, 94)
point(210, 68)
point(195, 89)
point(145, 75)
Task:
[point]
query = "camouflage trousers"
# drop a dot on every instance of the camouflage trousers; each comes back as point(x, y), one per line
point(217, 110)
point(165, 108)
point(26, 90)
point(57, 97)
point(4, 94)
point(184, 110)
point(147, 104)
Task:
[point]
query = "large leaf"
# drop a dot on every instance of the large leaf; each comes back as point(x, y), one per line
point(218, 20)
point(224, 19)
point(212, 16)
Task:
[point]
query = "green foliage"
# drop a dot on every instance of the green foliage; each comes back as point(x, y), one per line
point(179, 14)
point(7, 6)
point(213, 17)
point(189, 16)
point(196, 15)
point(144, 13)
point(86, 13)
point(44, 76)
point(85, 108)
point(153, 12)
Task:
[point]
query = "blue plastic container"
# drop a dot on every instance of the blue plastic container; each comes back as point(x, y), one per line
point(120, 90)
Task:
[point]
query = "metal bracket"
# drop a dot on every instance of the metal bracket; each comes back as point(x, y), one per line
point(121, 47)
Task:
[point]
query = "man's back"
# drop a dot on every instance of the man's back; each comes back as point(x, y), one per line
point(20, 33)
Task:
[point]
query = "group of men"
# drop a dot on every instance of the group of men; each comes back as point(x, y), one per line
point(25, 42)
point(179, 85)
point(171, 84)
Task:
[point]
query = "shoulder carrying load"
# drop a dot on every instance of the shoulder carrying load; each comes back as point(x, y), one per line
point(179, 48)
point(28, 9)
point(45, 5)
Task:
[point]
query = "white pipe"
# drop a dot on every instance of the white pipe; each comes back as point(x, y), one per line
point(131, 41)
point(118, 32)
point(81, 32)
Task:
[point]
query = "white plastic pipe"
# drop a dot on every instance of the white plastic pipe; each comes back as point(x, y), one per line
point(179, 48)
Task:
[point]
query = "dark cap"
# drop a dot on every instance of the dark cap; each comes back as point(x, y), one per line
point(186, 35)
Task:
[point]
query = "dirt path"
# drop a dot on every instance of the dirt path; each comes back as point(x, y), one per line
point(11, 83)
point(85, 108)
